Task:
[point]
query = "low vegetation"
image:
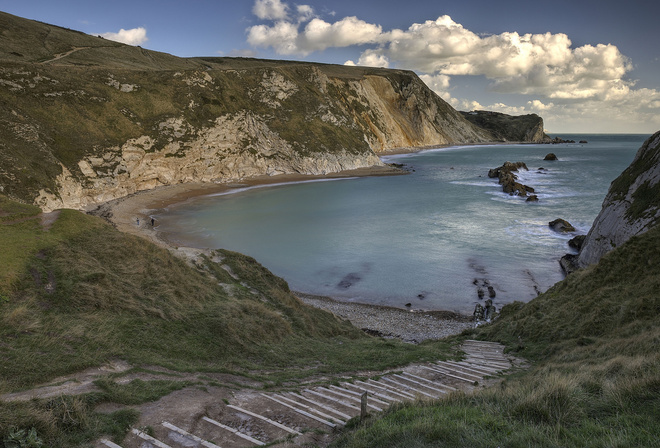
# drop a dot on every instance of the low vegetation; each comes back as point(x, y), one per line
point(76, 293)
point(594, 341)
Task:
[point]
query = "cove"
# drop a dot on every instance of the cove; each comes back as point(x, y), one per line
point(431, 238)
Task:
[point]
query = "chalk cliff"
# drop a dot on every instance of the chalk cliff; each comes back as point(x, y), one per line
point(631, 207)
point(84, 120)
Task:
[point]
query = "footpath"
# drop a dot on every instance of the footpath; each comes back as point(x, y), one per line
point(311, 415)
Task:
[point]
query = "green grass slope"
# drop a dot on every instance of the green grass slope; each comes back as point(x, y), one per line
point(594, 343)
point(77, 293)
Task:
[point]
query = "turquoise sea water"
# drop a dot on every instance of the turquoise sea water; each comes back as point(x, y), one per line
point(425, 238)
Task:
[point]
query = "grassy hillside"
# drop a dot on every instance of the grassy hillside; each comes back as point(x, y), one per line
point(594, 340)
point(76, 293)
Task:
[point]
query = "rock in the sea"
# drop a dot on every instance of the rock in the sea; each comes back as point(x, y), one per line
point(557, 140)
point(533, 198)
point(507, 178)
point(550, 156)
point(583, 141)
point(576, 242)
point(479, 312)
point(491, 292)
point(489, 310)
point(569, 263)
point(561, 225)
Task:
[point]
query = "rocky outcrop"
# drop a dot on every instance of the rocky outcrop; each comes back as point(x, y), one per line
point(522, 128)
point(561, 226)
point(550, 156)
point(631, 207)
point(558, 140)
point(508, 179)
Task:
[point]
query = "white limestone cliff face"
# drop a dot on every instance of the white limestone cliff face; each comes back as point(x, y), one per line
point(631, 207)
point(362, 115)
point(216, 154)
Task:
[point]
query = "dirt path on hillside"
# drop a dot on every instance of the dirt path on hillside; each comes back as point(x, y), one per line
point(63, 55)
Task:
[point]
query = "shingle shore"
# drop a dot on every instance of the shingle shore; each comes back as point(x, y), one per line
point(409, 326)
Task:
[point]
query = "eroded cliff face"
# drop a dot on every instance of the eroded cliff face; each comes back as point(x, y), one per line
point(631, 207)
point(105, 134)
point(84, 120)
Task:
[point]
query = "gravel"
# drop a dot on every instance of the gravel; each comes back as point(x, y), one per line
point(409, 326)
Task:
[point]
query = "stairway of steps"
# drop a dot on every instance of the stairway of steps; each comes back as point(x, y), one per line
point(254, 418)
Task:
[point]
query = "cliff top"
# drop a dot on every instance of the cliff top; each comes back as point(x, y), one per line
point(25, 41)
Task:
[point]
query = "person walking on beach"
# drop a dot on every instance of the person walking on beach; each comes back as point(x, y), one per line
point(152, 222)
point(138, 222)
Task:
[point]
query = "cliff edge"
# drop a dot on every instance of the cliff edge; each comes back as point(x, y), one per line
point(522, 128)
point(631, 207)
point(84, 120)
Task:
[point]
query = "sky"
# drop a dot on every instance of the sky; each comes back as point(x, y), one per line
point(584, 66)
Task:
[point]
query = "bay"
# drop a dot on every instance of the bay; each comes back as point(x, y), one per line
point(431, 238)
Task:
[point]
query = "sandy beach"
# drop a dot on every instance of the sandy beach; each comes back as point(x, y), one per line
point(132, 214)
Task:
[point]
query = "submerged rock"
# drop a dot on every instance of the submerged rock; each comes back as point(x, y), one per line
point(550, 156)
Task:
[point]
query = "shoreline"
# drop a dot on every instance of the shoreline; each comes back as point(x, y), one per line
point(125, 212)
point(377, 320)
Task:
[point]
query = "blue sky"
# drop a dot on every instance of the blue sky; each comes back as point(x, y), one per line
point(584, 66)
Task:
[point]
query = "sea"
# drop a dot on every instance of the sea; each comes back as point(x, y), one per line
point(428, 240)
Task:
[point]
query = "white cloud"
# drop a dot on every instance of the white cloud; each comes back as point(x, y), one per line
point(305, 13)
point(271, 10)
point(566, 82)
point(282, 36)
point(373, 59)
point(317, 35)
point(135, 36)
point(437, 83)
point(539, 105)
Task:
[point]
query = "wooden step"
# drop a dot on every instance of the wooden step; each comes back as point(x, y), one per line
point(150, 439)
point(321, 405)
point(265, 419)
point(328, 417)
point(234, 431)
point(190, 436)
point(300, 411)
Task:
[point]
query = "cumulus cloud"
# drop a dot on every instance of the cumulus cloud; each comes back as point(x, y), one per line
point(546, 66)
point(271, 10)
point(135, 36)
point(317, 35)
